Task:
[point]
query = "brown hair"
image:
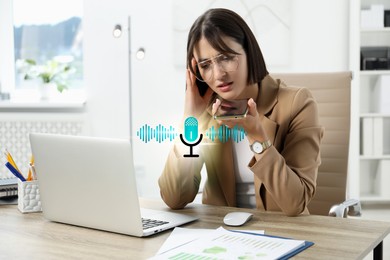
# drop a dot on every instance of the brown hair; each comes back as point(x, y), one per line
point(219, 22)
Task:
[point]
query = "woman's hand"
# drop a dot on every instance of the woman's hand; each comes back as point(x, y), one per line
point(195, 104)
point(251, 123)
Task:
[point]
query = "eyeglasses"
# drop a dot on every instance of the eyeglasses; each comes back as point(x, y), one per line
point(225, 62)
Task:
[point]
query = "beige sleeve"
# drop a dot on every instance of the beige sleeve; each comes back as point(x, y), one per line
point(289, 175)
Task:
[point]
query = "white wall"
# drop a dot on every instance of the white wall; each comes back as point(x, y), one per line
point(7, 72)
point(156, 92)
point(319, 42)
point(106, 70)
point(320, 35)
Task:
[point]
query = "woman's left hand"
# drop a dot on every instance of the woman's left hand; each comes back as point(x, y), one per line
point(251, 123)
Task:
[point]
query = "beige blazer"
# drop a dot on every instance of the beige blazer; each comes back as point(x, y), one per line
point(285, 175)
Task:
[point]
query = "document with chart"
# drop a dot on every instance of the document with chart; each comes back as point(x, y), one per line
point(224, 244)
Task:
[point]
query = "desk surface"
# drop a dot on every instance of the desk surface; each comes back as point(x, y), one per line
point(31, 235)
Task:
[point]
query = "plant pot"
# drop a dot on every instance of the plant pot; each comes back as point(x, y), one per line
point(45, 89)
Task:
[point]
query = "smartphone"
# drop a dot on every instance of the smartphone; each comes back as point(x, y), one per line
point(232, 109)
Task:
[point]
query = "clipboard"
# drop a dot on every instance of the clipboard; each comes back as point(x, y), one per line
point(306, 245)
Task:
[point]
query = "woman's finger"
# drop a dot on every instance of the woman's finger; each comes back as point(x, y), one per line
point(188, 81)
point(193, 64)
point(215, 106)
point(252, 107)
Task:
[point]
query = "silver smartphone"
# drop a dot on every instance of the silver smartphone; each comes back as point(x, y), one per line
point(232, 109)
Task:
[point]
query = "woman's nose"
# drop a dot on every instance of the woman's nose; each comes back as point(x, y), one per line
point(218, 71)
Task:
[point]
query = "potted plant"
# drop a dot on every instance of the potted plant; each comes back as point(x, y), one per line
point(52, 72)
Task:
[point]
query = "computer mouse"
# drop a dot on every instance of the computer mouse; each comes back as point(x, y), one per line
point(237, 218)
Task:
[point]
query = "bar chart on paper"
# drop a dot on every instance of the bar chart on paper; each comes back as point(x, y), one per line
point(224, 244)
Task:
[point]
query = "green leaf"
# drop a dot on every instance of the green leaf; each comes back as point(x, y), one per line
point(61, 87)
point(46, 77)
point(31, 62)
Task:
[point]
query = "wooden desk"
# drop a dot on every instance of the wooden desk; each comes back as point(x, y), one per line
point(31, 236)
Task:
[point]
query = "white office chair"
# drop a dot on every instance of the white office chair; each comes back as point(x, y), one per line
point(332, 91)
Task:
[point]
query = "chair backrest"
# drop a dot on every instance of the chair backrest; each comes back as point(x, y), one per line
point(332, 91)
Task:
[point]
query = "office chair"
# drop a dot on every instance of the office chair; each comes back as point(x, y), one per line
point(332, 92)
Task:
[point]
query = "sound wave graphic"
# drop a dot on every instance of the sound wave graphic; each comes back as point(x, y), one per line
point(224, 133)
point(160, 133)
point(146, 133)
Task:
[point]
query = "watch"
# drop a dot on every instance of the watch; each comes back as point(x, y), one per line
point(260, 147)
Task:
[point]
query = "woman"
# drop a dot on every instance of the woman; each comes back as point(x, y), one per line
point(275, 167)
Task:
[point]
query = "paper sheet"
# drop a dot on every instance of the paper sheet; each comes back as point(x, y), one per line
point(181, 236)
point(224, 244)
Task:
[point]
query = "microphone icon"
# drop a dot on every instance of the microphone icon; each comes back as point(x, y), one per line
point(190, 135)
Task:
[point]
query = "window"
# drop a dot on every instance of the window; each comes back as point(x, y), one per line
point(46, 30)
point(42, 31)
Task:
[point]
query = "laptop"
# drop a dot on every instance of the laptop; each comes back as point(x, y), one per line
point(90, 182)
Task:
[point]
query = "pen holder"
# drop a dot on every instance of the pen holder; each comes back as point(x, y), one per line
point(28, 196)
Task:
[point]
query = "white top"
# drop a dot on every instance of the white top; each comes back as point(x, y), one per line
point(245, 188)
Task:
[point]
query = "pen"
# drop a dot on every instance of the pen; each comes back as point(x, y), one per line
point(11, 160)
point(34, 174)
point(31, 175)
point(15, 171)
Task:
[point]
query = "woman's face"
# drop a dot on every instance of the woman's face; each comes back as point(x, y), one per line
point(229, 81)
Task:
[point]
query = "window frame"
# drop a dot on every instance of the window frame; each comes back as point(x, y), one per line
point(7, 64)
point(7, 59)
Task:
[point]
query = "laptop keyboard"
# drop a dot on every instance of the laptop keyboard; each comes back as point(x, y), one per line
point(149, 223)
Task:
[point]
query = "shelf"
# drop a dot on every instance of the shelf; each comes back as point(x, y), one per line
point(375, 157)
point(29, 100)
point(41, 104)
point(375, 30)
point(365, 115)
point(373, 110)
point(374, 72)
point(373, 198)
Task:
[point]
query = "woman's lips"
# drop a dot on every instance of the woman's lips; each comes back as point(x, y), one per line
point(225, 87)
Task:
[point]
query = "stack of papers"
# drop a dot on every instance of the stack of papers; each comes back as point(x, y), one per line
point(8, 191)
point(224, 244)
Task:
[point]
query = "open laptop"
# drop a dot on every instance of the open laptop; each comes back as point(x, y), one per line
point(90, 182)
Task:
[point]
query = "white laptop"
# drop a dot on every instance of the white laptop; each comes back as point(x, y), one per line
point(90, 182)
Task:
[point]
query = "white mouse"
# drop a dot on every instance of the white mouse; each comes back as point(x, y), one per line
point(237, 218)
